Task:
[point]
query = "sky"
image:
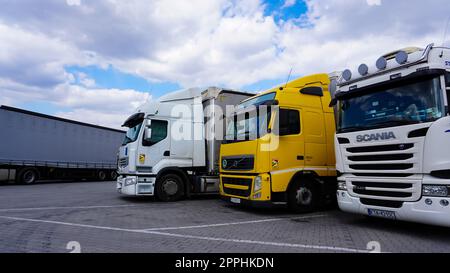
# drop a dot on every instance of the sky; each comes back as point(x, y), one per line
point(97, 61)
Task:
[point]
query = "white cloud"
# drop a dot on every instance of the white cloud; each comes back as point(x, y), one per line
point(289, 3)
point(374, 2)
point(199, 42)
point(73, 2)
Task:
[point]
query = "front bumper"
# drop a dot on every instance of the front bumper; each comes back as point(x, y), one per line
point(144, 186)
point(248, 203)
point(420, 212)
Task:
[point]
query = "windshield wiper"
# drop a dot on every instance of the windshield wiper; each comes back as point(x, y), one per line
point(390, 123)
point(353, 128)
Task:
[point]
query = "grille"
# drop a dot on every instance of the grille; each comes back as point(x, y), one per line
point(382, 193)
point(384, 190)
point(123, 162)
point(396, 157)
point(382, 203)
point(237, 182)
point(238, 163)
point(374, 167)
point(383, 185)
point(381, 148)
point(383, 174)
point(368, 158)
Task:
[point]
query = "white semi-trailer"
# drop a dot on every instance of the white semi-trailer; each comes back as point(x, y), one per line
point(172, 145)
point(393, 137)
point(35, 146)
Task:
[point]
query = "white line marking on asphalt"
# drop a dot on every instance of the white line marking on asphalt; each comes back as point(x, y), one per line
point(56, 208)
point(240, 241)
point(235, 223)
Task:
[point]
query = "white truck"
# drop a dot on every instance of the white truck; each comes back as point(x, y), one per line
point(172, 145)
point(34, 146)
point(393, 137)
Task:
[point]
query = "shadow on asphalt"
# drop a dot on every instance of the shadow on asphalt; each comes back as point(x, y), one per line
point(273, 211)
point(47, 182)
point(419, 230)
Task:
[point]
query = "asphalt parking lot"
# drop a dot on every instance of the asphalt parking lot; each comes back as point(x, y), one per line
point(90, 217)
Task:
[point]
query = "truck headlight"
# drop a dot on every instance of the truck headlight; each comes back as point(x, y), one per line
point(435, 190)
point(258, 184)
point(130, 181)
point(342, 186)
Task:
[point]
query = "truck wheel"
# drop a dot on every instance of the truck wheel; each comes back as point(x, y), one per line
point(303, 196)
point(27, 176)
point(169, 188)
point(101, 175)
point(113, 175)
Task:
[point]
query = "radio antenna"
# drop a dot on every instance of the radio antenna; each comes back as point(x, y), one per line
point(446, 30)
point(289, 77)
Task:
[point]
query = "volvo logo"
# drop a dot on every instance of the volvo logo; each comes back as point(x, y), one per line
point(224, 163)
point(374, 137)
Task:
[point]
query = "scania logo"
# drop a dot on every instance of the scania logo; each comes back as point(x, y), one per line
point(374, 137)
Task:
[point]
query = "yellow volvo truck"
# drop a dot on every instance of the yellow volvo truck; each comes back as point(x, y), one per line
point(279, 147)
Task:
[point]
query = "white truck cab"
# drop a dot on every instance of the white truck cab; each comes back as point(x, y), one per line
point(171, 149)
point(393, 137)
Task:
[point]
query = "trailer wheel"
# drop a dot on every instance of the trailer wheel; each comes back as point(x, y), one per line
point(101, 175)
point(113, 175)
point(169, 188)
point(303, 196)
point(27, 176)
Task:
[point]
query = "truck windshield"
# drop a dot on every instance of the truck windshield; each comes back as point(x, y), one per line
point(132, 133)
point(251, 120)
point(408, 103)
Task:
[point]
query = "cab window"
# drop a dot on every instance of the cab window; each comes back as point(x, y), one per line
point(289, 122)
point(159, 132)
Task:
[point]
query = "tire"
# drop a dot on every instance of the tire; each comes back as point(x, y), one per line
point(101, 175)
point(303, 196)
point(27, 176)
point(169, 188)
point(113, 175)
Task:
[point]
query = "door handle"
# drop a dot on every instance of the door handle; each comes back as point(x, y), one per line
point(300, 157)
point(166, 153)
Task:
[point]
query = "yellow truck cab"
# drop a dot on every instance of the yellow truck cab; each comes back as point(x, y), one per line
point(279, 147)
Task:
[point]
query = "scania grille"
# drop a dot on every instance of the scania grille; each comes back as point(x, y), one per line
point(245, 183)
point(386, 190)
point(395, 159)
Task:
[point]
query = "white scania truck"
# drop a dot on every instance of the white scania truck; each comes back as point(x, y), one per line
point(393, 137)
point(172, 145)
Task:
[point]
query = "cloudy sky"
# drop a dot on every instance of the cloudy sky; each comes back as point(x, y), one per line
point(97, 60)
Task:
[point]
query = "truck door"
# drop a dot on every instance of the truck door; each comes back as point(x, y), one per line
point(157, 148)
point(289, 158)
point(315, 141)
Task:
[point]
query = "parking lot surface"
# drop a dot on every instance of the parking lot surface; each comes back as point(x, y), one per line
point(91, 217)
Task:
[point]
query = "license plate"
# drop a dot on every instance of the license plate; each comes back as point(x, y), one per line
point(382, 214)
point(235, 200)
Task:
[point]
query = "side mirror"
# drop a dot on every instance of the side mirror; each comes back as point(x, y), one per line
point(147, 134)
point(148, 130)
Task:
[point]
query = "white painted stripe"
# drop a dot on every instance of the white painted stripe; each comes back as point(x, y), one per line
point(236, 223)
point(57, 208)
point(183, 236)
point(304, 246)
point(287, 171)
point(301, 169)
point(316, 169)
